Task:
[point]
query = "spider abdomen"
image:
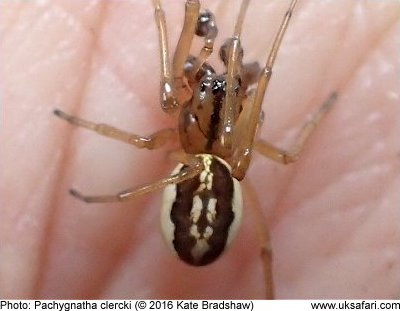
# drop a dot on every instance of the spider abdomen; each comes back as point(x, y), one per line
point(200, 216)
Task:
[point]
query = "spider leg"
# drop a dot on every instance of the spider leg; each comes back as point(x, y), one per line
point(156, 140)
point(173, 86)
point(234, 64)
point(286, 157)
point(193, 167)
point(207, 28)
point(244, 152)
point(264, 240)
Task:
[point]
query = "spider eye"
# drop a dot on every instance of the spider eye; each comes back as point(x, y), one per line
point(218, 87)
point(203, 87)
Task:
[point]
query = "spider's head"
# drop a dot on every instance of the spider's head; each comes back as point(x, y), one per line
point(208, 100)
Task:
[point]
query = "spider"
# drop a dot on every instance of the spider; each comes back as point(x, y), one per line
point(219, 116)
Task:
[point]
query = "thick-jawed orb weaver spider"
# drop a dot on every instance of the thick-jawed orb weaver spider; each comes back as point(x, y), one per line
point(219, 116)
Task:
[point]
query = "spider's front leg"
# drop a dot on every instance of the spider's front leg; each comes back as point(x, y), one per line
point(234, 68)
point(207, 28)
point(173, 85)
point(175, 88)
point(153, 141)
point(250, 116)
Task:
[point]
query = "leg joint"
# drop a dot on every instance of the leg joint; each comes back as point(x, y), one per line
point(267, 71)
